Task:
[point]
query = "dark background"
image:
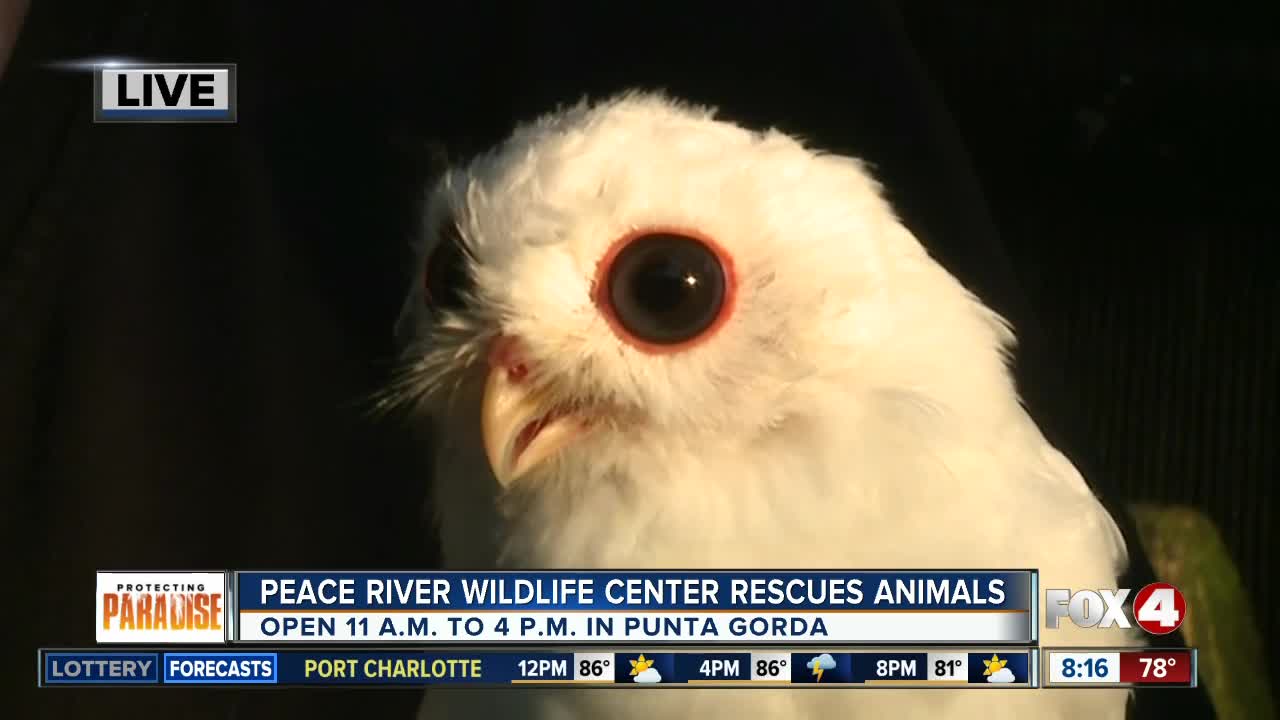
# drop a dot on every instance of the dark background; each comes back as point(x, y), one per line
point(193, 315)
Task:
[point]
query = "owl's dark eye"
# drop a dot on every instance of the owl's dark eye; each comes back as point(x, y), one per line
point(664, 290)
point(445, 278)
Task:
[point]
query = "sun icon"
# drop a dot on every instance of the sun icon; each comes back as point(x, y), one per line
point(994, 665)
point(640, 665)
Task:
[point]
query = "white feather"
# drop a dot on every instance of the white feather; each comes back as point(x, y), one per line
point(854, 412)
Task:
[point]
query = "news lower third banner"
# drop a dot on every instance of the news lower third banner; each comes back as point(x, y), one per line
point(993, 667)
point(571, 607)
point(635, 607)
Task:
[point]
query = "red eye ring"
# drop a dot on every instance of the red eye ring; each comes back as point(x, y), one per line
point(665, 289)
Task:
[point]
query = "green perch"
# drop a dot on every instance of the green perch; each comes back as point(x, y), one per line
point(1186, 550)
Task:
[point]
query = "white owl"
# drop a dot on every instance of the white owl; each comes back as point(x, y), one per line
point(652, 339)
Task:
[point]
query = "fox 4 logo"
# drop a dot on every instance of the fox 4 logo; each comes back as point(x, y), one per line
point(1159, 608)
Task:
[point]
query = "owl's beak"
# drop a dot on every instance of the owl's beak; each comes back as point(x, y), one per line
point(519, 433)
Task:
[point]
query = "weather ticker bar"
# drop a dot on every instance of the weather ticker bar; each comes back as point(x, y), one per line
point(812, 668)
point(933, 667)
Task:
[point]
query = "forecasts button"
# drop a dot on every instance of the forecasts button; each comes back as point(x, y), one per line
point(248, 668)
